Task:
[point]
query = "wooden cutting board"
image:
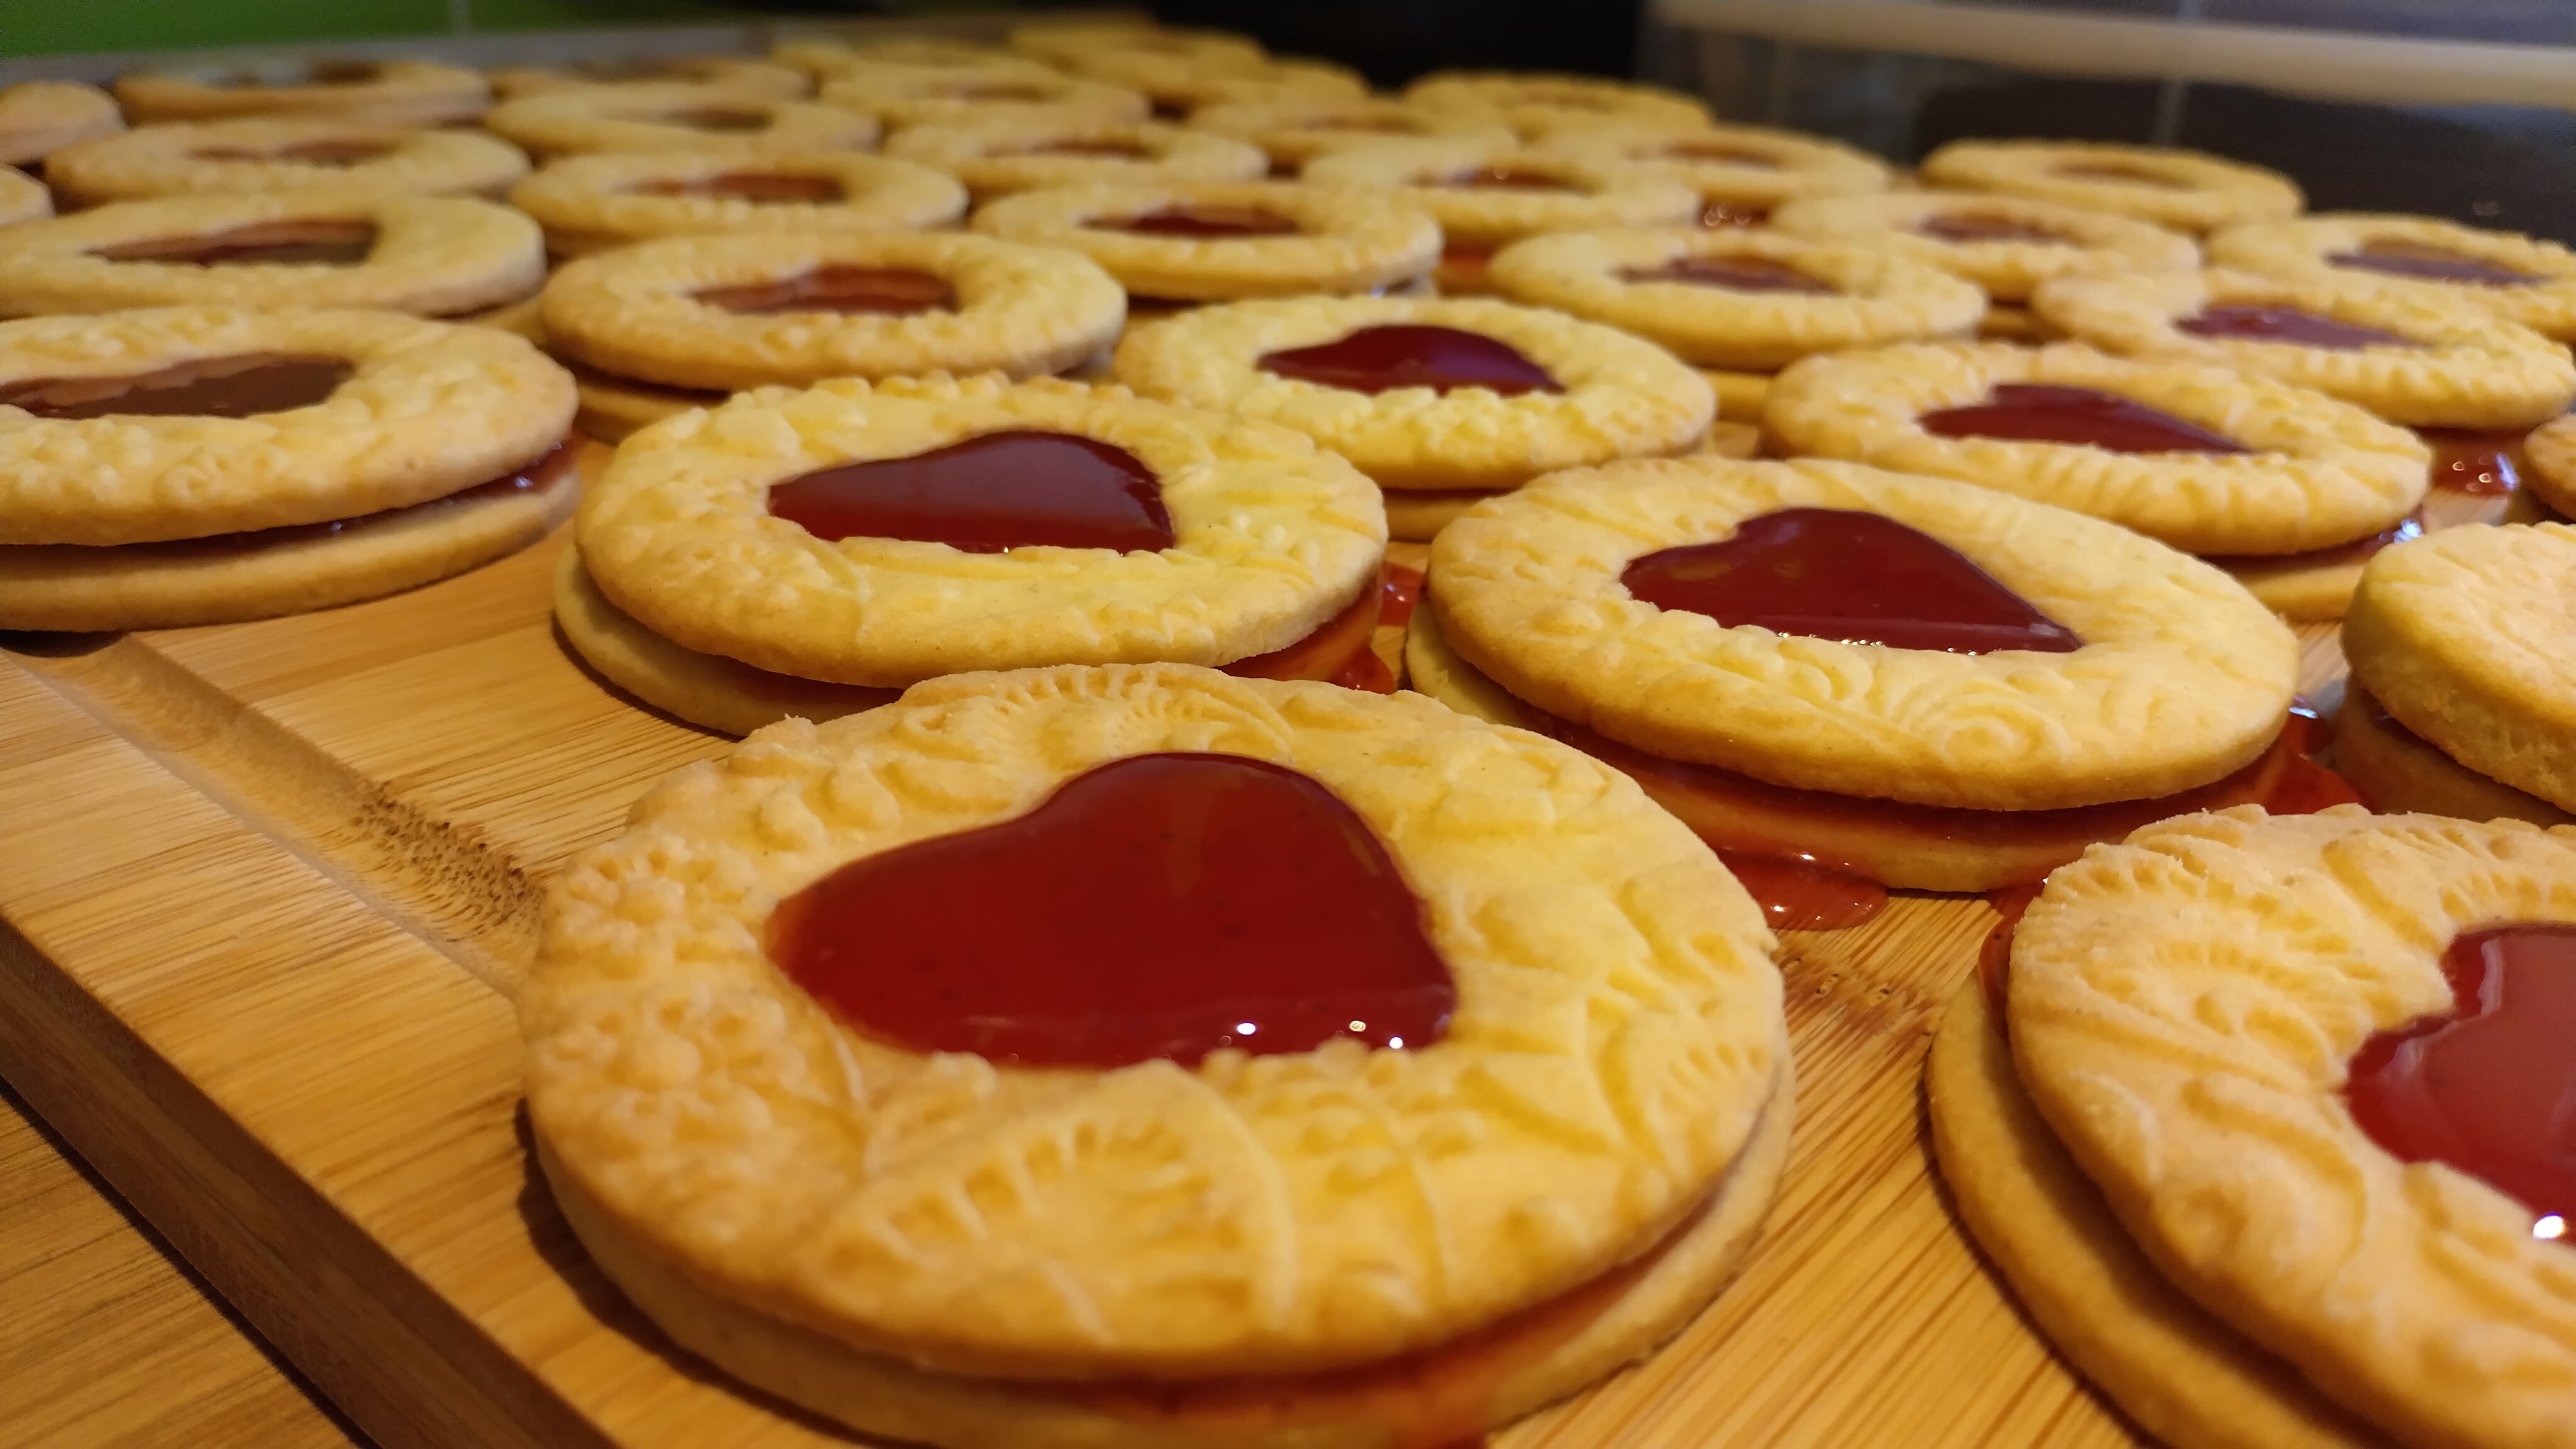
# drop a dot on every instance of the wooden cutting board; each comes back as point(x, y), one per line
point(267, 892)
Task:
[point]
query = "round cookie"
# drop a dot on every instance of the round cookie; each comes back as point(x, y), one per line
point(282, 153)
point(719, 72)
point(1294, 132)
point(2461, 636)
point(2551, 479)
point(597, 202)
point(2186, 190)
point(1271, 539)
point(2309, 473)
point(1220, 241)
point(1177, 87)
point(743, 311)
point(2422, 360)
point(2518, 278)
point(676, 117)
point(914, 95)
point(2184, 1010)
point(1485, 196)
point(1535, 103)
point(22, 198)
point(1742, 173)
point(1016, 155)
point(1738, 299)
point(391, 92)
point(1556, 393)
point(40, 117)
point(2401, 774)
point(2007, 245)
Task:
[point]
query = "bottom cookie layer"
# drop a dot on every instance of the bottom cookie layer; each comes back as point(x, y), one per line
point(2403, 773)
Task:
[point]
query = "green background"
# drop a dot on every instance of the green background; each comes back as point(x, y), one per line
point(56, 27)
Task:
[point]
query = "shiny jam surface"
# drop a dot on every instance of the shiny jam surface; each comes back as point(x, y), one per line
point(311, 153)
point(719, 118)
point(752, 186)
point(2428, 263)
point(1157, 906)
point(330, 243)
point(1337, 651)
point(1861, 578)
point(1800, 895)
point(1403, 593)
point(1201, 221)
point(2488, 1087)
point(1505, 178)
point(215, 387)
point(884, 291)
point(1716, 214)
point(1124, 149)
point(988, 494)
point(2467, 461)
point(1969, 227)
point(2287, 325)
point(2043, 413)
point(1736, 274)
point(1381, 359)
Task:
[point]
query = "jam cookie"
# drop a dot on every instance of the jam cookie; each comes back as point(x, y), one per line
point(1537, 104)
point(391, 92)
point(1409, 899)
point(914, 95)
point(2521, 279)
point(437, 255)
point(2551, 478)
point(1002, 156)
point(717, 72)
point(1294, 132)
point(40, 117)
point(2186, 190)
point(1742, 173)
point(2399, 772)
point(282, 153)
point(2004, 244)
point(744, 311)
point(1918, 682)
point(2425, 361)
point(593, 203)
point(1738, 299)
point(22, 197)
point(1177, 87)
point(2311, 1064)
point(1218, 241)
point(676, 117)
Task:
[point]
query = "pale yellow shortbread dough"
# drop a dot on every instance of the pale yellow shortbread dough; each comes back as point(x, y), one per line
point(599, 202)
point(2091, 243)
point(676, 116)
point(2189, 191)
point(39, 117)
point(1014, 154)
point(2307, 247)
point(258, 154)
point(391, 92)
point(1346, 240)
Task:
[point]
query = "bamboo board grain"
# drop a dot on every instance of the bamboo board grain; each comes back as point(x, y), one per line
point(268, 889)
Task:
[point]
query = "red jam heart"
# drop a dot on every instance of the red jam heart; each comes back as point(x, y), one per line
point(1201, 221)
point(1380, 359)
point(1157, 906)
point(989, 494)
point(1967, 228)
point(1861, 578)
point(2285, 324)
point(1737, 274)
point(2489, 1086)
point(212, 387)
point(885, 291)
point(2427, 263)
point(2026, 412)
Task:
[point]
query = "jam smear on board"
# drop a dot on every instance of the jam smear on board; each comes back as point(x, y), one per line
point(1201, 222)
point(1800, 895)
point(311, 153)
point(719, 118)
point(753, 186)
point(1739, 274)
point(239, 386)
point(1506, 178)
point(2029, 412)
point(881, 291)
point(2472, 461)
point(2286, 325)
point(1337, 651)
point(329, 243)
point(1843, 574)
point(1163, 905)
point(1381, 359)
point(988, 494)
point(2427, 264)
point(2488, 1085)
point(1967, 227)
point(1715, 214)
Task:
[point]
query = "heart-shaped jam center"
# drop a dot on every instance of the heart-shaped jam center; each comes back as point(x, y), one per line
point(2028, 412)
point(2428, 263)
point(988, 494)
point(886, 291)
point(1201, 221)
point(2489, 1086)
point(2285, 324)
point(1156, 906)
point(1968, 227)
point(1505, 178)
point(1736, 274)
point(1860, 578)
point(310, 153)
point(752, 186)
point(1380, 359)
point(215, 387)
point(328, 243)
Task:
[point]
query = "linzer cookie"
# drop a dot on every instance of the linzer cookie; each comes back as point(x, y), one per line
point(40, 117)
point(282, 153)
point(2521, 279)
point(676, 116)
point(1382, 917)
point(392, 92)
point(718, 72)
point(2187, 190)
point(22, 198)
point(1742, 173)
point(1846, 679)
point(1294, 132)
point(1536, 104)
point(2007, 245)
point(437, 255)
point(745, 311)
point(592, 203)
point(2551, 479)
point(2311, 1066)
point(997, 157)
point(914, 95)
point(1739, 299)
point(876, 537)
point(194, 465)
point(1219, 241)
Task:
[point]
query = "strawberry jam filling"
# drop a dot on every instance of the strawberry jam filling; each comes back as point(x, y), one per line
point(2472, 461)
point(240, 386)
point(879, 291)
point(1734, 274)
point(1381, 359)
point(2024, 412)
point(2287, 325)
point(1201, 222)
point(988, 494)
point(2420, 262)
point(310, 243)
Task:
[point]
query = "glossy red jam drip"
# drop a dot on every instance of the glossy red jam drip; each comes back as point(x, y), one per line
point(1717, 214)
point(1735, 274)
point(2488, 1087)
point(2466, 461)
point(1968, 227)
point(1861, 578)
point(2429, 264)
point(1403, 592)
point(1800, 895)
point(310, 153)
point(215, 387)
point(1201, 221)
point(752, 186)
point(881, 291)
point(985, 495)
point(1157, 906)
point(329, 243)
point(1443, 359)
point(2026, 412)
point(1337, 651)
point(1506, 178)
point(2286, 325)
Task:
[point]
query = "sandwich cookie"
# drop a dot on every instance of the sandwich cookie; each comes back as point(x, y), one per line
point(22, 198)
point(593, 203)
point(198, 465)
point(1327, 1140)
point(718, 72)
point(40, 117)
point(2289, 489)
point(1441, 402)
point(1846, 679)
point(2550, 480)
point(1536, 104)
point(1486, 197)
point(2264, 1141)
point(436, 255)
point(817, 550)
point(2188, 191)
point(2007, 245)
point(1742, 173)
point(1188, 242)
point(389, 93)
point(2521, 279)
point(1176, 86)
point(676, 116)
point(915, 95)
point(282, 153)
point(1294, 132)
point(1001, 156)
